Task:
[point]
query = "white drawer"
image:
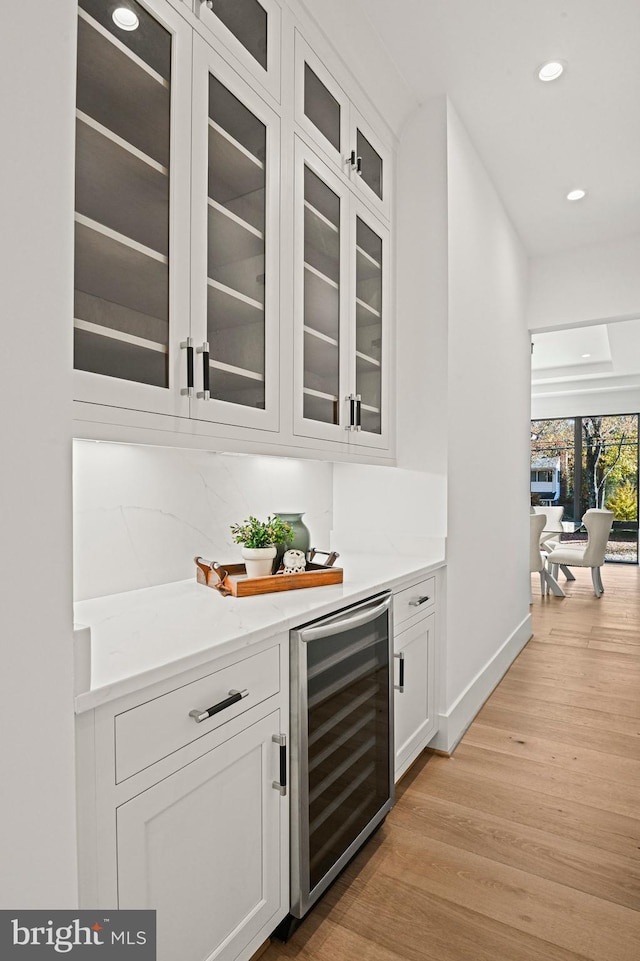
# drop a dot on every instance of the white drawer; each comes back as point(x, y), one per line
point(151, 731)
point(413, 601)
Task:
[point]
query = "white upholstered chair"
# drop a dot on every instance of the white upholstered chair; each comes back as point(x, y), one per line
point(537, 559)
point(598, 524)
point(550, 536)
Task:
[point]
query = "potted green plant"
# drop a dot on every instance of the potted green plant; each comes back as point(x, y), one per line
point(259, 540)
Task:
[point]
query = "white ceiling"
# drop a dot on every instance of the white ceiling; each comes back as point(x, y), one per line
point(537, 140)
point(613, 357)
point(579, 350)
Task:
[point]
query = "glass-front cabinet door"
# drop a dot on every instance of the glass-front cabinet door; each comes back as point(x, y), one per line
point(369, 306)
point(321, 298)
point(250, 29)
point(341, 310)
point(131, 304)
point(326, 116)
point(321, 106)
point(234, 247)
point(372, 173)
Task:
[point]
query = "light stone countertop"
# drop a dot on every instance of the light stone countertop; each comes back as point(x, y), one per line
point(141, 637)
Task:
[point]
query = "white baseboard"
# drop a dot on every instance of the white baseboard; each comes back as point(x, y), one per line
point(455, 722)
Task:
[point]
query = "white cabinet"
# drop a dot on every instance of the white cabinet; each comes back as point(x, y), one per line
point(202, 848)
point(131, 309)
point(233, 257)
point(332, 122)
point(190, 817)
point(235, 247)
point(414, 653)
point(341, 307)
point(177, 225)
point(250, 29)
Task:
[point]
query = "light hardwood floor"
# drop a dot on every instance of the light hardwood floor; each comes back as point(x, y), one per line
point(525, 845)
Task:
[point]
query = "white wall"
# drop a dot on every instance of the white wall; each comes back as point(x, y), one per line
point(488, 401)
point(422, 291)
point(585, 284)
point(141, 514)
point(37, 813)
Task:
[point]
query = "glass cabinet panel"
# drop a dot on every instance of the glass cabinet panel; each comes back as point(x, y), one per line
point(236, 250)
point(247, 21)
point(321, 107)
point(321, 300)
point(370, 164)
point(121, 312)
point(368, 313)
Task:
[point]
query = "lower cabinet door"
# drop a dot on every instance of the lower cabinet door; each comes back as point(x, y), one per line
point(202, 848)
point(414, 703)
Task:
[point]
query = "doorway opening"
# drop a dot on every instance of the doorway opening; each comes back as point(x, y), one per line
point(584, 462)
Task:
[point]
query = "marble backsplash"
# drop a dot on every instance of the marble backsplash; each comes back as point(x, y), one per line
point(388, 510)
point(142, 513)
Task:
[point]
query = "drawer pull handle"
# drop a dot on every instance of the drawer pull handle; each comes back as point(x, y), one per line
point(234, 696)
point(281, 785)
point(400, 685)
point(419, 600)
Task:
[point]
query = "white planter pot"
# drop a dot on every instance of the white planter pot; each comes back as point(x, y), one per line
point(258, 560)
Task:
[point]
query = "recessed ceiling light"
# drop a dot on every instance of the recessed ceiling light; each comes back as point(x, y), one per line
point(585, 355)
point(576, 194)
point(550, 71)
point(125, 18)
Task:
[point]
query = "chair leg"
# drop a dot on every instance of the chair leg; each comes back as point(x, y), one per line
point(567, 573)
point(597, 581)
point(543, 584)
point(552, 584)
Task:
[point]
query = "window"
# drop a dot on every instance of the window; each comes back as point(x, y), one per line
point(595, 465)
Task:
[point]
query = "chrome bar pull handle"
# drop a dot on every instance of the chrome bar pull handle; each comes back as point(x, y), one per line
point(358, 413)
point(281, 785)
point(419, 600)
point(205, 393)
point(351, 398)
point(188, 346)
point(234, 696)
point(400, 685)
point(359, 166)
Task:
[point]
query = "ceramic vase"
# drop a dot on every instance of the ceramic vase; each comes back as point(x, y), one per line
point(300, 535)
point(258, 561)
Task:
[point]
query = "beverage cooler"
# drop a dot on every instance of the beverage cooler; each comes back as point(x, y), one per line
point(342, 783)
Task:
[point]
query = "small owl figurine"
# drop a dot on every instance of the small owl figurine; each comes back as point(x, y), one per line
point(294, 562)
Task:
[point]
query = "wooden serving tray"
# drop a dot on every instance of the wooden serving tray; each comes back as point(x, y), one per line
point(231, 579)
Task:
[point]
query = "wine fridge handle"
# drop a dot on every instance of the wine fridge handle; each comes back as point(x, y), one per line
point(342, 624)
